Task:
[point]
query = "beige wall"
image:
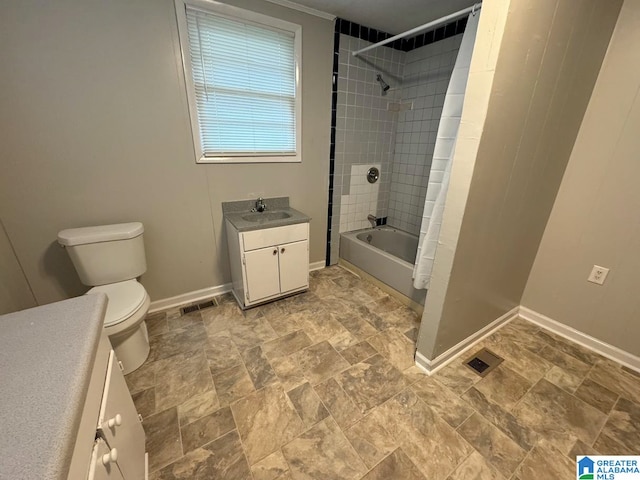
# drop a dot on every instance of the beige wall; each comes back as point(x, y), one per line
point(95, 130)
point(549, 59)
point(14, 289)
point(595, 219)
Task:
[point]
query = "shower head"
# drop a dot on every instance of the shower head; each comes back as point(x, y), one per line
point(384, 85)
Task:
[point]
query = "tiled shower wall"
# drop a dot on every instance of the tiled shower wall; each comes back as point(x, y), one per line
point(426, 77)
point(365, 133)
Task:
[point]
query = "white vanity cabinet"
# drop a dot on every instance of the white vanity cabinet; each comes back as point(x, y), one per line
point(268, 263)
point(111, 441)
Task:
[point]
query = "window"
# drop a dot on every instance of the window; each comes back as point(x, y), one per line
point(242, 73)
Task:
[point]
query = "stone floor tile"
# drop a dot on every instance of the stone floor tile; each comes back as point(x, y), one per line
point(286, 345)
point(323, 453)
point(516, 334)
point(308, 404)
point(563, 379)
point(142, 378)
point(513, 427)
point(145, 402)
point(156, 323)
point(358, 352)
point(581, 448)
point(198, 406)
point(499, 450)
point(258, 367)
point(221, 352)
point(517, 357)
point(558, 416)
point(566, 346)
point(206, 429)
point(272, 467)
point(613, 377)
point(475, 467)
point(370, 439)
point(396, 465)
point(320, 362)
point(608, 446)
point(251, 332)
point(266, 421)
point(395, 347)
point(186, 320)
point(342, 340)
point(544, 461)
point(432, 445)
point(457, 377)
point(181, 377)
point(163, 438)
point(288, 371)
point(232, 384)
point(222, 317)
point(319, 326)
point(174, 342)
point(402, 318)
point(447, 404)
point(576, 368)
point(340, 405)
point(355, 322)
point(623, 424)
point(284, 323)
point(596, 395)
point(504, 386)
point(223, 458)
point(371, 382)
point(412, 334)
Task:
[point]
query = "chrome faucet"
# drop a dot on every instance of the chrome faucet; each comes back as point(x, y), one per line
point(260, 205)
point(373, 220)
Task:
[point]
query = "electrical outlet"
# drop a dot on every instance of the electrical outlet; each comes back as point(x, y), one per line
point(598, 274)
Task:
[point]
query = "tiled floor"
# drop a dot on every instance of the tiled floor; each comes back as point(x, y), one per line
point(322, 386)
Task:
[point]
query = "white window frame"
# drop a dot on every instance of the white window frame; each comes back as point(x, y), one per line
point(235, 13)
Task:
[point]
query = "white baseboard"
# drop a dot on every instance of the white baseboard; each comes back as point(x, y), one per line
point(189, 297)
point(432, 366)
point(598, 346)
point(317, 265)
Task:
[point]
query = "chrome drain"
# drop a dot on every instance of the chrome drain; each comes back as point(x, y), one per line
point(483, 361)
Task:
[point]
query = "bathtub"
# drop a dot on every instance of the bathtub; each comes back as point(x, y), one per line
point(385, 253)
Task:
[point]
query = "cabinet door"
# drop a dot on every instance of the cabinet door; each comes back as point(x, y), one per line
point(120, 425)
point(261, 273)
point(294, 266)
point(99, 469)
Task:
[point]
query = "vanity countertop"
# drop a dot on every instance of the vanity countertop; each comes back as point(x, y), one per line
point(236, 212)
point(46, 358)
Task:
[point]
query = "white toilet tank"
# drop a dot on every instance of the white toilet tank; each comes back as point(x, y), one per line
point(106, 254)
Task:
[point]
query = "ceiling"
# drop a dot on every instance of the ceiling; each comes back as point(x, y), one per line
point(392, 16)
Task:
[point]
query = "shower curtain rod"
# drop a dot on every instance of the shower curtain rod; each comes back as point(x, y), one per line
point(426, 26)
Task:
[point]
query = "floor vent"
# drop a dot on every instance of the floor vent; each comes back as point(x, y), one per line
point(189, 309)
point(199, 306)
point(483, 362)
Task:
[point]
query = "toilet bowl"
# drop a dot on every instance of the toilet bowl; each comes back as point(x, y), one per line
point(110, 258)
point(124, 321)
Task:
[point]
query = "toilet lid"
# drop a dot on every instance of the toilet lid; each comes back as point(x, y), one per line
point(124, 299)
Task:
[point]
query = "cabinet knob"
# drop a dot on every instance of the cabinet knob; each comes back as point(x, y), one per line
point(275, 252)
point(115, 421)
point(282, 250)
point(112, 456)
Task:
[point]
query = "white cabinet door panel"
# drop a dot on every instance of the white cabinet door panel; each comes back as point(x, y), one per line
point(99, 470)
point(125, 432)
point(261, 272)
point(294, 266)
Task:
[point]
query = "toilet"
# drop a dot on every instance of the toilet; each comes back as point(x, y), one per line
point(109, 258)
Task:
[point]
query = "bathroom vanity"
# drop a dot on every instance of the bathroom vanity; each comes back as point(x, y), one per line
point(65, 408)
point(268, 250)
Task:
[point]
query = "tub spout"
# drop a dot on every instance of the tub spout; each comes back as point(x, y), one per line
point(373, 220)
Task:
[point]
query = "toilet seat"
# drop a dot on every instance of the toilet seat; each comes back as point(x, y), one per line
point(125, 298)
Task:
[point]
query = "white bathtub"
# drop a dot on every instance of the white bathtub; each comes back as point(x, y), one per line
point(386, 253)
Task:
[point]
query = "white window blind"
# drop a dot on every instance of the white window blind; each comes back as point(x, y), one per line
point(244, 77)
